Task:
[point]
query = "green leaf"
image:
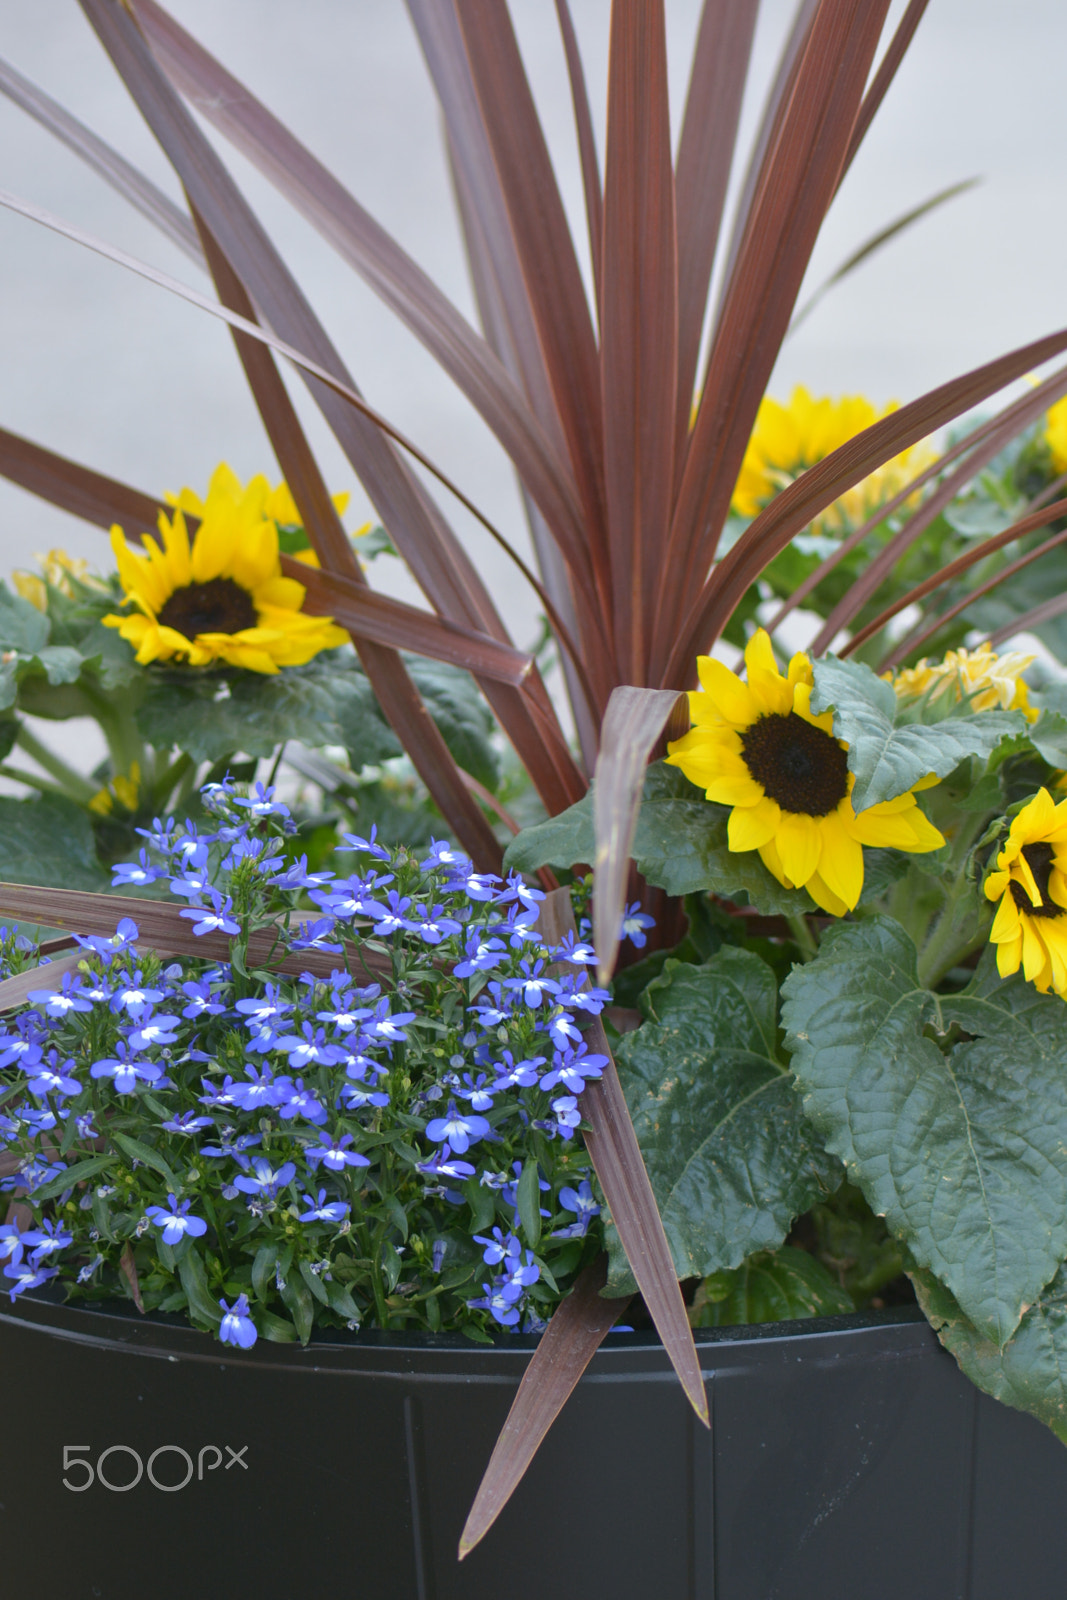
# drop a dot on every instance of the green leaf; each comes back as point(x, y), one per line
point(314, 1283)
point(680, 845)
point(454, 702)
point(729, 1154)
point(301, 1307)
point(194, 1282)
point(528, 1203)
point(342, 1302)
point(78, 1173)
point(887, 760)
point(482, 1203)
point(1030, 1371)
point(48, 841)
point(957, 1135)
point(772, 1287)
point(263, 1271)
point(391, 1265)
point(22, 626)
point(1048, 735)
point(276, 1328)
point(151, 1158)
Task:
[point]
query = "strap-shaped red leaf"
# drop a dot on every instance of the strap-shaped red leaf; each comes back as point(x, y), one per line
point(616, 1157)
point(583, 120)
point(576, 1331)
point(639, 323)
point(361, 241)
point(883, 78)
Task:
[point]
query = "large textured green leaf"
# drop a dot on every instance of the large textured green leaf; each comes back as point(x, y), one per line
point(1030, 1371)
point(48, 841)
point(466, 723)
point(771, 1286)
point(887, 760)
point(211, 716)
point(950, 1112)
point(22, 626)
point(728, 1150)
point(680, 845)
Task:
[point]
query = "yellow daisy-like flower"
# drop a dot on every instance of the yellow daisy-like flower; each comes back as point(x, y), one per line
point(756, 746)
point(57, 569)
point(1030, 881)
point(1056, 435)
point(787, 439)
point(220, 596)
point(989, 682)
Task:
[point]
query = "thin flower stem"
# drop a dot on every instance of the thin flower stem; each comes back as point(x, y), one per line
point(33, 780)
point(71, 782)
point(805, 940)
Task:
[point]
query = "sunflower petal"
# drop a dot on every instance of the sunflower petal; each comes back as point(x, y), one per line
point(752, 826)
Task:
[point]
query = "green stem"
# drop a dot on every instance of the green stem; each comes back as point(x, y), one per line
point(169, 779)
point(72, 783)
point(802, 934)
point(32, 780)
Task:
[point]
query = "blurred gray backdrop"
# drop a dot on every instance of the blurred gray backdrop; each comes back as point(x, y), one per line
point(118, 374)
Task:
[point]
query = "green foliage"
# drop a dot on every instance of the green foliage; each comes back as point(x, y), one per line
point(48, 840)
point(855, 1245)
point(730, 1155)
point(949, 1111)
point(886, 757)
point(1030, 1370)
point(680, 845)
point(769, 1287)
point(466, 723)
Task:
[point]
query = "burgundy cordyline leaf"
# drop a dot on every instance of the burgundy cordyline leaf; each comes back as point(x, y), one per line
point(366, 246)
point(113, 168)
point(576, 1331)
point(13, 991)
point(1017, 417)
point(545, 249)
point(594, 197)
point(705, 157)
point(794, 189)
point(822, 484)
point(632, 728)
point(389, 678)
point(128, 1268)
point(1003, 426)
point(639, 323)
point(616, 1157)
point(925, 630)
point(977, 552)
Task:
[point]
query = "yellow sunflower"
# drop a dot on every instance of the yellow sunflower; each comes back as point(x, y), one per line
point(756, 746)
point(1056, 435)
point(57, 570)
point(1030, 881)
point(787, 439)
point(220, 596)
point(989, 682)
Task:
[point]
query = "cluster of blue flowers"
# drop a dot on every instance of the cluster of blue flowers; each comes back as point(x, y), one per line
point(351, 1141)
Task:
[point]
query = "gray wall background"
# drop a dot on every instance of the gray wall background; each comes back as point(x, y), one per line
point(118, 374)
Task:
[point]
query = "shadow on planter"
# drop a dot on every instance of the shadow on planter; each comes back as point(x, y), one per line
point(847, 1456)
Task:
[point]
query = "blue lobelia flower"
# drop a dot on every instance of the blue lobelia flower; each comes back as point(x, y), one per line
point(268, 1007)
point(354, 1097)
point(460, 1129)
point(368, 846)
point(261, 802)
point(47, 1240)
point(63, 1001)
point(15, 1049)
point(54, 1078)
point(562, 1029)
point(633, 925)
point(477, 1095)
point(186, 1122)
point(443, 854)
point(218, 920)
point(433, 925)
point(237, 1326)
point(345, 1014)
point(574, 949)
point(516, 1074)
point(567, 1115)
point(497, 1247)
point(176, 1222)
point(498, 1305)
point(316, 936)
point(534, 984)
point(201, 1001)
point(154, 1030)
point(390, 917)
point(139, 872)
point(194, 882)
point(389, 1028)
point(309, 1048)
point(481, 954)
point(266, 1181)
point(27, 1276)
point(475, 885)
point(134, 996)
point(125, 1070)
point(336, 1156)
point(296, 1101)
point(323, 1210)
point(124, 936)
point(256, 1090)
point(10, 1242)
point(520, 1271)
point(582, 1203)
point(571, 1069)
point(444, 1165)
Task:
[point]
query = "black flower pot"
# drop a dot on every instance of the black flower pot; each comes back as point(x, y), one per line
point(846, 1457)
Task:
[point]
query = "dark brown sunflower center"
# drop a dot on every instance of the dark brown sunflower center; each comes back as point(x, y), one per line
point(220, 606)
point(1039, 859)
point(801, 767)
